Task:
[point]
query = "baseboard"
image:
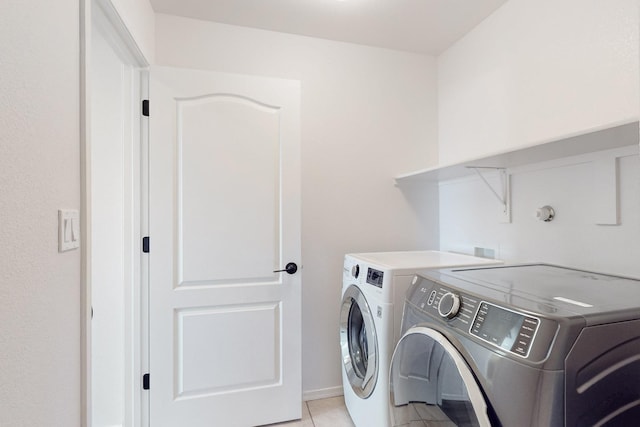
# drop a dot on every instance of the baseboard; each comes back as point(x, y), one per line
point(322, 393)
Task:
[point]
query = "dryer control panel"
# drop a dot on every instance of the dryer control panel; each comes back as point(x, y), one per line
point(434, 299)
point(502, 327)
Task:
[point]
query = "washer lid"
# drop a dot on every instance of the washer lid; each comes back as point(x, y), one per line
point(402, 260)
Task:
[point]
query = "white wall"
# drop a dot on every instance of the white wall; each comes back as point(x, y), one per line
point(139, 18)
point(470, 217)
point(367, 114)
point(39, 173)
point(535, 71)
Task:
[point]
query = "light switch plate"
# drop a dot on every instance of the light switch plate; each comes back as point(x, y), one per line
point(68, 229)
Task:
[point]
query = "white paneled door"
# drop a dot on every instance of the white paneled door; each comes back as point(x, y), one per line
point(224, 213)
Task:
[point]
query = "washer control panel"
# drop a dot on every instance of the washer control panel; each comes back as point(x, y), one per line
point(374, 277)
point(505, 328)
point(499, 326)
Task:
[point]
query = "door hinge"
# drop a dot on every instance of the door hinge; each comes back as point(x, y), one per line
point(145, 244)
point(145, 382)
point(145, 107)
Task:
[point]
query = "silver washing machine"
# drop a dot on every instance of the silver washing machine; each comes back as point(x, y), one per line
point(523, 345)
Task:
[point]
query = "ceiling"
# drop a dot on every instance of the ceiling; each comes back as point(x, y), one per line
point(422, 26)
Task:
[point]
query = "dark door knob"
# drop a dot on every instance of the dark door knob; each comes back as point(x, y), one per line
point(290, 268)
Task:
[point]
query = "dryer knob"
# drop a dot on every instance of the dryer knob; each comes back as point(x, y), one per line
point(449, 305)
point(355, 271)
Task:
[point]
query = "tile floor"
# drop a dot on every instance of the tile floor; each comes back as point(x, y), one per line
point(330, 412)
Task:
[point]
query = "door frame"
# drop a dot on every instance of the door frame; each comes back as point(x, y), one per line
point(118, 30)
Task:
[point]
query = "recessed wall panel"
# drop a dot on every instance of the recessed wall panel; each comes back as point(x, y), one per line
point(222, 349)
point(228, 190)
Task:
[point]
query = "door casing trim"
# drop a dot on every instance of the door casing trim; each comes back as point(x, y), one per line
point(119, 29)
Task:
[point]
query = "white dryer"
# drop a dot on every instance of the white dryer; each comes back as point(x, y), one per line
point(373, 293)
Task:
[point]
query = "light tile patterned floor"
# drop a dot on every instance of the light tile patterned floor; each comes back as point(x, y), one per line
point(330, 412)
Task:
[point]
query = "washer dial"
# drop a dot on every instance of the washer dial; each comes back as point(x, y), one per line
point(355, 271)
point(449, 305)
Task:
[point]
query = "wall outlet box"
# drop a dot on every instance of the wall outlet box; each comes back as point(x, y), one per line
point(484, 252)
point(68, 229)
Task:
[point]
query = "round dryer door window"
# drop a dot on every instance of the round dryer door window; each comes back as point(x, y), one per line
point(358, 342)
point(430, 381)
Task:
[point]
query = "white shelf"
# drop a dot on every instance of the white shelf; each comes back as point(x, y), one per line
point(614, 137)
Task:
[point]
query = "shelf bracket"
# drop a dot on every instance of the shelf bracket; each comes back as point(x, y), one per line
point(504, 195)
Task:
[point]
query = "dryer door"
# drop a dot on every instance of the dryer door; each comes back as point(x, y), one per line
point(358, 342)
point(430, 381)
